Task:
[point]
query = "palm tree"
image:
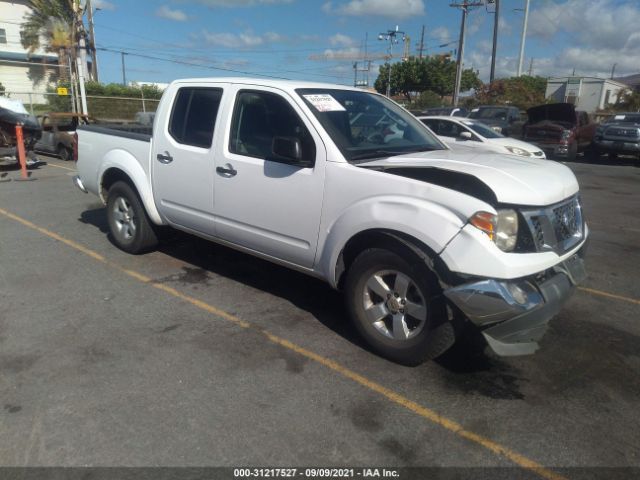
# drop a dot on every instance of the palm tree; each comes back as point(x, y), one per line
point(50, 26)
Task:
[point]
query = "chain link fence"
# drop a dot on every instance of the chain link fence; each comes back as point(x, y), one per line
point(101, 108)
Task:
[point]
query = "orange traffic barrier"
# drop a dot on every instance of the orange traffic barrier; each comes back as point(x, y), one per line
point(22, 156)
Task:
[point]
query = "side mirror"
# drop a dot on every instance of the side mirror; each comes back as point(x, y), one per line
point(289, 149)
point(465, 136)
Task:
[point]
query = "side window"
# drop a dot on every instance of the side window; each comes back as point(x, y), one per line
point(433, 125)
point(260, 117)
point(194, 115)
point(450, 129)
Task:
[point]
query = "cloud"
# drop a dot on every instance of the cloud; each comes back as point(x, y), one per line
point(240, 3)
point(103, 5)
point(441, 34)
point(349, 53)
point(340, 40)
point(176, 15)
point(241, 40)
point(397, 9)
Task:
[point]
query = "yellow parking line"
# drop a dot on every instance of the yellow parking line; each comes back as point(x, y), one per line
point(422, 411)
point(609, 295)
point(49, 164)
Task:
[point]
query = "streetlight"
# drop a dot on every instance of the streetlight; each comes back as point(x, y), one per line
point(392, 37)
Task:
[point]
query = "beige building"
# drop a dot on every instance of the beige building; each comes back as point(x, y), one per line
point(586, 93)
point(24, 77)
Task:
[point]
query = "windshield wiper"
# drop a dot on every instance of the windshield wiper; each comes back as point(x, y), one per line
point(379, 153)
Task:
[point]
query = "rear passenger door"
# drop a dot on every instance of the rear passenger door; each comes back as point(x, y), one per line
point(182, 157)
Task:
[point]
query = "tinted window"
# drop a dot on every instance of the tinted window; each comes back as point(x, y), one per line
point(258, 118)
point(194, 115)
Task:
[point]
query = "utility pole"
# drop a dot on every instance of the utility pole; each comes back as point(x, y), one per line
point(465, 9)
point(531, 67)
point(613, 70)
point(524, 34)
point(391, 37)
point(81, 54)
point(421, 47)
point(92, 40)
point(124, 76)
point(496, 20)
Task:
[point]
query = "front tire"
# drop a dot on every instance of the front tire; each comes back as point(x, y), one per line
point(129, 226)
point(395, 303)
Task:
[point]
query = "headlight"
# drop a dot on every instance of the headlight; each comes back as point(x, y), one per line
point(502, 228)
point(518, 151)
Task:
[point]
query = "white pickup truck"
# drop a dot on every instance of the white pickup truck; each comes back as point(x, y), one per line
point(345, 185)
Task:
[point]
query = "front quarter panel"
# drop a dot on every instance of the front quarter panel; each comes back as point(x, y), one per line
point(358, 199)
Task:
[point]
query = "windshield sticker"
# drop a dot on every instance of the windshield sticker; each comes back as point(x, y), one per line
point(619, 117)
point(325, 103)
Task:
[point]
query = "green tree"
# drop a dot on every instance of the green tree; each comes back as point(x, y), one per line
point(49, 26)
point(523, 92)
point(415, 75)
point(629, 101)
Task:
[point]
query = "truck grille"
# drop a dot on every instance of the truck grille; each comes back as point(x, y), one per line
point(556, 228)
point(622, 132)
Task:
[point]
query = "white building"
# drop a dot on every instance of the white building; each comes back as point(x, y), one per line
point(586, 93)
point(23, 76)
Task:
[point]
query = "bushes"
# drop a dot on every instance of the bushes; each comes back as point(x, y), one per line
point(122, 104)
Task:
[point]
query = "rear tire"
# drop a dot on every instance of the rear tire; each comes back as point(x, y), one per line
point(395, 303)
point(64, 153)
point(129, 226)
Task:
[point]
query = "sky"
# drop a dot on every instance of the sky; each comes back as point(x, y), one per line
point(300, 39)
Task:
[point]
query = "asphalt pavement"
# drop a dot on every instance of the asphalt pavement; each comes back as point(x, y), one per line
point(197, 355)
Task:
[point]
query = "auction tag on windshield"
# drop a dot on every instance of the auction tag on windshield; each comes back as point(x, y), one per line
point(619, 117)
point(325, 103)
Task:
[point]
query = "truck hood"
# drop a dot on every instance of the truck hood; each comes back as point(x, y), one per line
point(512, 179)
point(554, 112)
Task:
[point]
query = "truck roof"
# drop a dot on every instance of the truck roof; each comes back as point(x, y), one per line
point(266, 82)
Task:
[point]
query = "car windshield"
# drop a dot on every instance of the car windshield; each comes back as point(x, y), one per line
point(494, 113)
point(483, 130)
point(366, 126)
point(624, 119)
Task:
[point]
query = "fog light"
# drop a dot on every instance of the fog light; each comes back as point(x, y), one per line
point(518, 294)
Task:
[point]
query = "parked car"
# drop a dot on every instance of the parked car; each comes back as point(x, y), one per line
point(619, 135)
point(12, 114)
point(446, 112)
point(424, 241)
point(58, 133)
point(559, 129)
point(472, 133)
point(503, 119)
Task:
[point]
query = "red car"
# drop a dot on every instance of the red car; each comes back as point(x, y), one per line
point(559, 130)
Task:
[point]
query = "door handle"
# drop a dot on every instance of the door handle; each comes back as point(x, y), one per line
point(166, 158)
point(227, 170)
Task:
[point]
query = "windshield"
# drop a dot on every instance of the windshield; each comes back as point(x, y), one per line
point(493, 113)
point(366, 126)
point(624, 118)
point(483, 130)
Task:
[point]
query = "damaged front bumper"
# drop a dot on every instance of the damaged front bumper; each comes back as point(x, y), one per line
point(513, 315)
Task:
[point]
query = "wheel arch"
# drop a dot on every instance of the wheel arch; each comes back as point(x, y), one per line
point(395, 241)
point(122, 166)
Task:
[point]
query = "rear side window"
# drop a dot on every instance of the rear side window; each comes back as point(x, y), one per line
point(194, 115)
